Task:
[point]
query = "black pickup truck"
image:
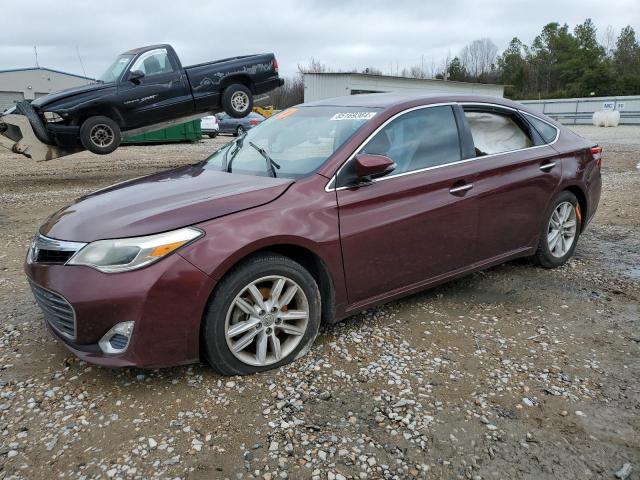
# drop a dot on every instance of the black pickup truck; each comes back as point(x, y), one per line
point(145, 89)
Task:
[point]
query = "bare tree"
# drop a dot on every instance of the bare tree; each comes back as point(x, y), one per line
point(479, 57)
point(609, 41)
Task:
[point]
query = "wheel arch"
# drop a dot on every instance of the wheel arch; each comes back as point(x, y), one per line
point(305, 255)
point(582, 201)
point(240, 78)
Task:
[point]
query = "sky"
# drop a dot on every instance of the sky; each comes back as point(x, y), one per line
point(343, 34)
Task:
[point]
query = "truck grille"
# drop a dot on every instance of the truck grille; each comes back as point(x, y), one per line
point(57, 311)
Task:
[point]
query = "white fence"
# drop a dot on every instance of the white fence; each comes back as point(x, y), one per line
point(579, 111)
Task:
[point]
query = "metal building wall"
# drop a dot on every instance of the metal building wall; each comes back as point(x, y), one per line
point(318, 86)
point(579, 111)
point(32, 83)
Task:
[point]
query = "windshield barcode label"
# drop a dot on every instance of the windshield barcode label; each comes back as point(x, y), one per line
point(353, 116)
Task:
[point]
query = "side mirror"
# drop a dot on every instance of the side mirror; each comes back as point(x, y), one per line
point(135, 76)
point(370, 166)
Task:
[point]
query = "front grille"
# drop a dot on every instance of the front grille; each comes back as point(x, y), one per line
point(57, 311)
point(50, 250)
point(52, 256)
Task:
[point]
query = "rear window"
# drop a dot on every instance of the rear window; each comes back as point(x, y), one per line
point(496, 133)
point(547, 131)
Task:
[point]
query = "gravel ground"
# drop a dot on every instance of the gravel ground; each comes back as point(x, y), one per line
point(516, 372)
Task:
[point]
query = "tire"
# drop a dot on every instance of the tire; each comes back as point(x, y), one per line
point(39, 128)
point(550, 253)
point(100, 135)
point(262, 326)
point(240, 131)
point(212, 135)
point(237, 100)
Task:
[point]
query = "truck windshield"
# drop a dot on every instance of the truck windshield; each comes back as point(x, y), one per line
point(115, 70)
point(293, 143)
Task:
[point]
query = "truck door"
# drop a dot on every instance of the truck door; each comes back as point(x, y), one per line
point(154, 90)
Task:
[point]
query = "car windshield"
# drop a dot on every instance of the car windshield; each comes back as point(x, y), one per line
point(291, 144)
point(115, 70)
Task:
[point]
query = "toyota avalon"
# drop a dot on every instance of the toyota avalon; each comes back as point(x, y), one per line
point(321, 211)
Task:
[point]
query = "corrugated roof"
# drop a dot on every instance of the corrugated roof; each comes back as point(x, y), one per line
point(26, 69)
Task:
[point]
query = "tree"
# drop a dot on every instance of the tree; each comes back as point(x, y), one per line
point(626, 60)
point(479, 57)
point(457, 71)
point(513, 66)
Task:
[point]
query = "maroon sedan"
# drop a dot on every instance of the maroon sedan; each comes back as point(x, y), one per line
point(321, 211)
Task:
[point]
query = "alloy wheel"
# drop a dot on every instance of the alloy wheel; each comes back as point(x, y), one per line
point(240, 101)
point(102, 135)
point(561, 233)
point(266, 320)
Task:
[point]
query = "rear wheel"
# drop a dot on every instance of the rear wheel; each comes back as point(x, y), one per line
point(237, 100)
point(100, 135)
point(265, 313)
point(561, 230)
point(240, 130)
point(213, 135)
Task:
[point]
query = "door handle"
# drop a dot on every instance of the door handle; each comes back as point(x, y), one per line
point(461, 188)
point(547, 166)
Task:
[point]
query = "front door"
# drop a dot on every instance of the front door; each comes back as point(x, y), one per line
point(416, 224)
point(161, 94)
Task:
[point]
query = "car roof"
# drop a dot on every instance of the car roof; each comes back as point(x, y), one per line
point(389, 100)
point(135, 51)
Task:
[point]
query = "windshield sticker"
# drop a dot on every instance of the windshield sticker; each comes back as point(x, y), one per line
point(287, 113)
point(353, 116)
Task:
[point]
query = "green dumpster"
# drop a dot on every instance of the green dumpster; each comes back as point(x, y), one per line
point(185, 132)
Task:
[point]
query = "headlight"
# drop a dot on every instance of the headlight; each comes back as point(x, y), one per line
point(52, 117)
point(124, 254)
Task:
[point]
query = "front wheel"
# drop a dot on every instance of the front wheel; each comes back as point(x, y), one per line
point(100, 135)
point(237, 100)
point(265, 313)
point(560, 232)
point(213, 135)
point(240, 131)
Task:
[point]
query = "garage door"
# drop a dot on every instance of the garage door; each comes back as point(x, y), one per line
point(9, 99)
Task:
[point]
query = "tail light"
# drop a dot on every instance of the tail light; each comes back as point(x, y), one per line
point(254, 122)
point(596, 153)
point(275, 64)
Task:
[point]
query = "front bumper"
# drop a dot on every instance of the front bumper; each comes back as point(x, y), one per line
point(166, 301)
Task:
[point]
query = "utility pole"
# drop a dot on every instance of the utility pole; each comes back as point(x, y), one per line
point(35, 51)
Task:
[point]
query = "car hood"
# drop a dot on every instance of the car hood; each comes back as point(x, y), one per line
point(161, 202)
point(45, 100)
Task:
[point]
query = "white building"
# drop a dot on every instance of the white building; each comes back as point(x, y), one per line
point(318, 86)
point(30, 83)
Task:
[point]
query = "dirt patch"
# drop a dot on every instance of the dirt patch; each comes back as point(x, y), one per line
point(516, 372)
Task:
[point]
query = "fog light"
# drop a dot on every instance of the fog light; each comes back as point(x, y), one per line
point(117, 339)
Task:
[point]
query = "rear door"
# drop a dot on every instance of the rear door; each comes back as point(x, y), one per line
point(162, 94)
point(517, 174)
point(416, 224)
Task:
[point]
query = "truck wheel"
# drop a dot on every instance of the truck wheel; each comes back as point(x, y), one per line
point(237, 100)
point(40, 130)
point(100, 135)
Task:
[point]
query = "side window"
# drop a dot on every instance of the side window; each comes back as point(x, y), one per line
point(496, 133)
point(153, 62)
point(547, 132)
point(424, 138)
